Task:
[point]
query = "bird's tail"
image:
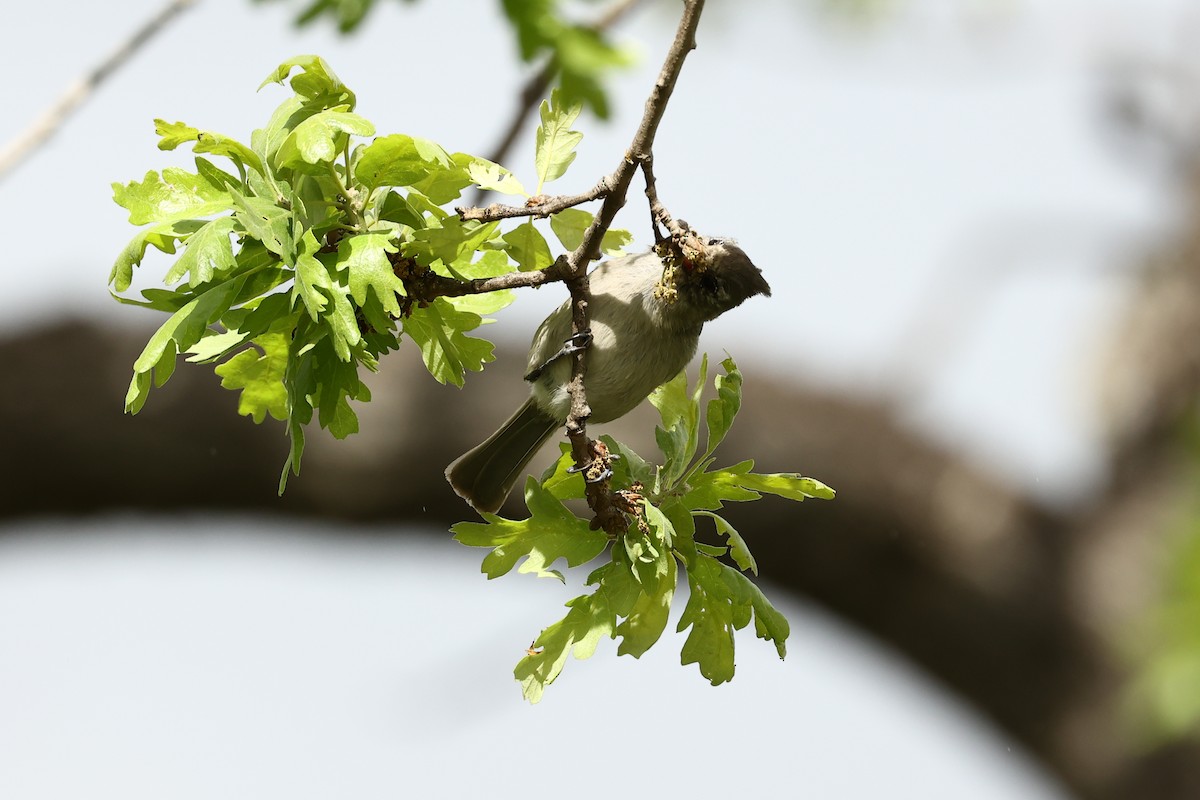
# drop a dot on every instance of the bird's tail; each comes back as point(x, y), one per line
point(484, 475)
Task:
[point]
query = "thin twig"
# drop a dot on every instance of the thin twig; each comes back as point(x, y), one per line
point(543, 207)
point(678, 229)
point(425, 285)
point(48, 124)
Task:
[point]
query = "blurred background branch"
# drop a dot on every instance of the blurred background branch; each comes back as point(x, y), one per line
point(44, 127)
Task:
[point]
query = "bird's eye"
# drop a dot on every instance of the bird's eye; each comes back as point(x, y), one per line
point(715, 240)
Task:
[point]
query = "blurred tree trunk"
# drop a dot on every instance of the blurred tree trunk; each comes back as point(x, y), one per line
point(1012, 606)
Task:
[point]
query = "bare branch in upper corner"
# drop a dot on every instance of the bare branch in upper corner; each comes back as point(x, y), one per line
point(48, 124)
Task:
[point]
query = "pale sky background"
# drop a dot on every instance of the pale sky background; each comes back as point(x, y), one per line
point(204, 658)
point(864, 172)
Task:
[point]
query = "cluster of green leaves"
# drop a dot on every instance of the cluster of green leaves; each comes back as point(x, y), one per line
point(634, 589)
point(287, 278)
point(581, 55)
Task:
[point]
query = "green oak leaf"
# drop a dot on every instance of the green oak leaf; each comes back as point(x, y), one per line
point(258, 372)
point(448, 240)
point(443, 185)
point(121, 276)
point(649, 547)
point(176, 133)
point(526, 246)
point(208, 254)
point(217, 345)
point(560, 478)
point(724, 407)
point(739, 551)
point(722, 601)
point(301, 381)
point(556, 142)
point(173, 195)
point(320, 139)
point(267, 222)
point(789, 485)
point(291, 112)
point(316, 81)
point(494, 178)
point(183, 329)
point(629, 467)
point(439, 330)
point(673, 402)
point(311, 277)
point(647, 619)
point(338, 383)
point(402, 160)
point(348, 13)
point(589, 620)
point(580, 52)
point(490, 264)
point(340, 317)
point(551, 532)
point(679, 434)
point(585, 56)
point(711, 490)
point(365, 257)
point(570, 225)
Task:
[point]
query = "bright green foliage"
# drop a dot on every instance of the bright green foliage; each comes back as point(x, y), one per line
point(570, 225)
point(447, 351)
point(494, 178)
point(552, 532)
point(287, 268)
point(176, 133)
point(258, 372)
point(722, 601)
point(400, 160)
point(556, 141)
point(632, 593)
point(295, 271)
point(526, 246)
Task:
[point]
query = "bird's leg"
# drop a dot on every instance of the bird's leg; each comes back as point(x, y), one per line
point(576, 343)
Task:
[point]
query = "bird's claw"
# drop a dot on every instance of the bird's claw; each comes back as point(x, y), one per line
point(576, 343)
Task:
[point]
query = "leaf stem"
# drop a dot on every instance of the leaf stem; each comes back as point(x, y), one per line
point(346, 199)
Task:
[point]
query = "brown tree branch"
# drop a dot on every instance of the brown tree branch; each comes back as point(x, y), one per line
point(678, 229)
point(540, 206)
point(424, 285)
point(583, 449)
point(49, 123)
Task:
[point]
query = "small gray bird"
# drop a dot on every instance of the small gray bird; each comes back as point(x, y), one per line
point(644, 330)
